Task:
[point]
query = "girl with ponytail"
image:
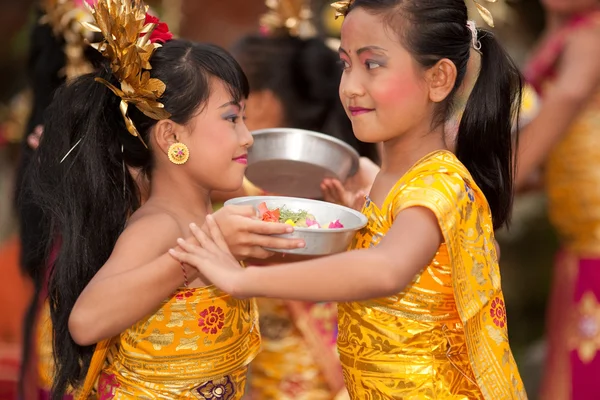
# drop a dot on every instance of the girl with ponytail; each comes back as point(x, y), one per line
point(421, 309)
point(128, 320)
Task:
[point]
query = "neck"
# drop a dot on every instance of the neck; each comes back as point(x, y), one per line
point(173, 191)
point(401, 153)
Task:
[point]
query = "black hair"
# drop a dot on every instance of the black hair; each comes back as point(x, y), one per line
point(304, 74)
point(45, 74)
point(433, 30)
point(90, 194)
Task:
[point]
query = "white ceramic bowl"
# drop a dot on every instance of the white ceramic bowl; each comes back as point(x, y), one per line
point(318, 241)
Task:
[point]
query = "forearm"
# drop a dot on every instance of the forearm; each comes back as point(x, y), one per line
point(351, 276)
point(109, 305)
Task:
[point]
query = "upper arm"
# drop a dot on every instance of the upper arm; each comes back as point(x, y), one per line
point(424, 213)
point(411, 243)
point(140, 243)
point(579, 69)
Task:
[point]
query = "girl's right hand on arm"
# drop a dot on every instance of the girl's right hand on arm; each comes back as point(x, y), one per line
point(247, 236)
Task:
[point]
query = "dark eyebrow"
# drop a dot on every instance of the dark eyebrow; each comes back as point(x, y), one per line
point(231, 103)
point(369, 48)
point(341, 50)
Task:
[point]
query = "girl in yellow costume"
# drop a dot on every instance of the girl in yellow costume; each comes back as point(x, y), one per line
point(421, 312)
point(128, 321)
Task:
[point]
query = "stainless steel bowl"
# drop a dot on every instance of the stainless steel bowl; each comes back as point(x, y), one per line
point(318, 241)
point(294, 162)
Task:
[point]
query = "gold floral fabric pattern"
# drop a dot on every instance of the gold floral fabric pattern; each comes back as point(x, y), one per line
point(445, 335)
point(196, 346)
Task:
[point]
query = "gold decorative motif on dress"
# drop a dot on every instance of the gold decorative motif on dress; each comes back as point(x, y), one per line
point(586, 338)
point(384, 343)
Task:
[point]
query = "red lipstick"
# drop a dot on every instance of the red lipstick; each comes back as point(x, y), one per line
point(243, 159)
point(355, 111)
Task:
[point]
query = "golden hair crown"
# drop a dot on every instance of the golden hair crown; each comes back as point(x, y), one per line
point(294, 17)
point(127, 43)
point(65, 17)
point(342, 7)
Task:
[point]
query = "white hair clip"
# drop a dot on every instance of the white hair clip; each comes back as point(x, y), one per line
point(474, 39)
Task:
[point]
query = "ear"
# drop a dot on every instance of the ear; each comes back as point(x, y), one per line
point(441, 79)
point(165, 133)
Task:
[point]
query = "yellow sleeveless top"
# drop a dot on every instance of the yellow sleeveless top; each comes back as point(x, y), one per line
point(573, 182)
point(196, 346)
point(445, 335)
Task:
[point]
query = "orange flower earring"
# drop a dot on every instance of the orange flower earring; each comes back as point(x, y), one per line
point(178, 153)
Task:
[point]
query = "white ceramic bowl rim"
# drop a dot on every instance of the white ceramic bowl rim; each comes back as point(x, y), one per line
point(363, 219)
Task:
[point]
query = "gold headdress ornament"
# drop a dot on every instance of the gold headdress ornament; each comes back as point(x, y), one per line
point(341, 8)
point(65, 18)
point(128, 46)
point(291, 16)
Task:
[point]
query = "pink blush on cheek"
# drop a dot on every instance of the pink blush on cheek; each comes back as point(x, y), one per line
point(397, 91)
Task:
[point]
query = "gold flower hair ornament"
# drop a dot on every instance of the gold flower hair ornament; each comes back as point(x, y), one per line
point(128, 44)
point(291, 16)
point(342, 7)
point(65, 17)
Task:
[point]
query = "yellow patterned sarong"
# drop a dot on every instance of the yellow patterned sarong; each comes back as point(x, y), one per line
point(445, 335)
point(196, 346)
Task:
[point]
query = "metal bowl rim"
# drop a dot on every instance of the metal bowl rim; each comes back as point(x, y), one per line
point(364, 220)
point(355, 155)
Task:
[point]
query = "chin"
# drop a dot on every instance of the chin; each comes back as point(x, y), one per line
point(366, 135)
point(231, 185)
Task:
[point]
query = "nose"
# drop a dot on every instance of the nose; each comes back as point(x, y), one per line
point(350, 86)
point(246, 138)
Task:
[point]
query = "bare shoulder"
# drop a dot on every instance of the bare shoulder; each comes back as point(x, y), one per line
point(147, 236)
point(579, 68)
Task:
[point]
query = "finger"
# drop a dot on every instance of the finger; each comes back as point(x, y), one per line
point(186, 258)
point(244, 211)
point(275, 242)
point(217, 235)
point(267, 228)
point(189, 247)
point(329, 193)
point(33, 141)
point(203, 239)
point(259, 253)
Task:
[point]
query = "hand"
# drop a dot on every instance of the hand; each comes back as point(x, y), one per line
point(212, 258)
point(352, 193)
point(247, 236)
point(33, 139)
point(335, 192)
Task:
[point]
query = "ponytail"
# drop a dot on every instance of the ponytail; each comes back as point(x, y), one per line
point(484, 141)
point(88, 197)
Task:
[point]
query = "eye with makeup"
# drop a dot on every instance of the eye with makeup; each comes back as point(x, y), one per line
point(344, 64)
point(234, 118)
point(371, 65)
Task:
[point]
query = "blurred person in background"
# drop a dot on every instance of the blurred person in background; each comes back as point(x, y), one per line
point(565, 70)
point(58, 53)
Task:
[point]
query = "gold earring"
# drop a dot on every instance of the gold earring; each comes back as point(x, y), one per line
point(178, 153)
